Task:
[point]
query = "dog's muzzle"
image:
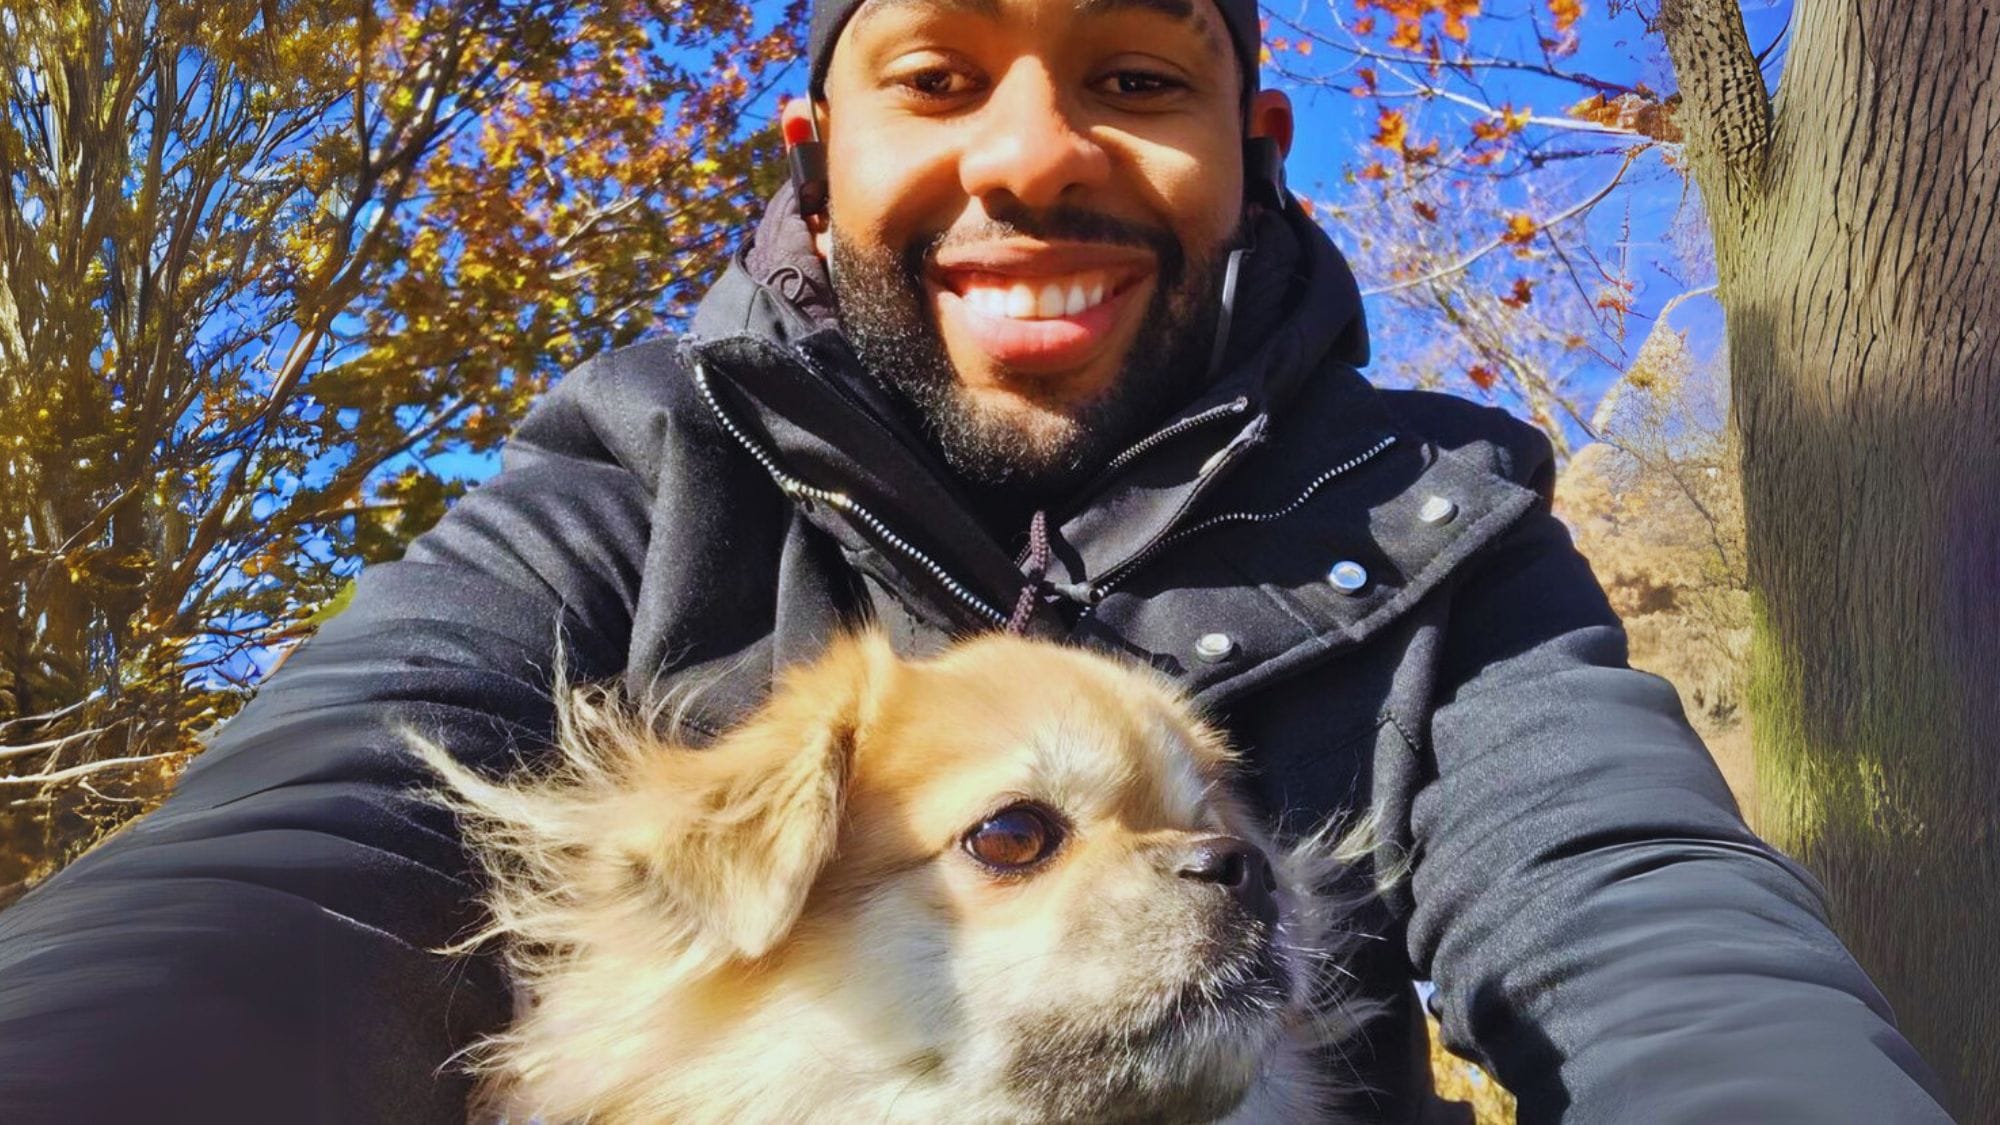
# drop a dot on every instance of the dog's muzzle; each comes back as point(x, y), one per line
point(1239, 867)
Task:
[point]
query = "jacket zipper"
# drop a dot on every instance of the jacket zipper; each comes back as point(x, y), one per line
point(797, 490)
point(1237, 405)
point(1094, 592)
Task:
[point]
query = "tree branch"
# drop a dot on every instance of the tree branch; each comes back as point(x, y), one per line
point(1469, 260)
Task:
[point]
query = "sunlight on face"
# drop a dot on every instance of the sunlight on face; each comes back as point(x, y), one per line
point(1030, 200)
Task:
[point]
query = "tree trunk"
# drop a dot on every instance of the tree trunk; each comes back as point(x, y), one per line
point(1857, 246)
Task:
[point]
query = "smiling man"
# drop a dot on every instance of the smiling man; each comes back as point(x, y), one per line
point(1036, 340)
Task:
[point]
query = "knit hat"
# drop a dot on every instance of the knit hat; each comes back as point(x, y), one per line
point(829, 16)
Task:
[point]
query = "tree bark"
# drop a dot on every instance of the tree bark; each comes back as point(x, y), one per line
point(1856, 244)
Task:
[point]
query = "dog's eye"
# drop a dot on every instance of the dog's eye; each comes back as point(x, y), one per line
point(1014, 838)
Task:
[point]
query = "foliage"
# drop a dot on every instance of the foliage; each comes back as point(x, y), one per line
point(261, 264)
point(1460, 1081)
point(1497, 239)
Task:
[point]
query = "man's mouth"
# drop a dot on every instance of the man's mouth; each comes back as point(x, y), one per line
point(1042, 321)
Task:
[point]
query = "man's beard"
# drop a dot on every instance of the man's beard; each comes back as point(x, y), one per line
point(1037, 455)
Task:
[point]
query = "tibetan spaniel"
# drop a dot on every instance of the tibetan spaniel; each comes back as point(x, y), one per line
point(1012, 883)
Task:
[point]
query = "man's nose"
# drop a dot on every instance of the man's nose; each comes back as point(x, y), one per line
point(1027, 143)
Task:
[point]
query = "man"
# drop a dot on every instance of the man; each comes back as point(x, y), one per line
point(1057, 303)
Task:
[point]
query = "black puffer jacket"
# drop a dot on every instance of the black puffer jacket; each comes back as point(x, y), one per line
point(1604, 931)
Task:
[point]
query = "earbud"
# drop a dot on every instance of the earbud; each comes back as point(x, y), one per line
point(1264, 174)
point(807, 155)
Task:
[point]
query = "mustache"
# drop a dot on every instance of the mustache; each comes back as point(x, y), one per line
point(1055, 224)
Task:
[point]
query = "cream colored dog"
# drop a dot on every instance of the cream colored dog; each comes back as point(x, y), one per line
point(1009, 884)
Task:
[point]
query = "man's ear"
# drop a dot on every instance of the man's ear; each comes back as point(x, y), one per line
point(798, 124)
point(1271, 116)
point(734, 836)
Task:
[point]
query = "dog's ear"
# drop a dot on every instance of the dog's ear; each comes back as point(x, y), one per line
point(734, 836)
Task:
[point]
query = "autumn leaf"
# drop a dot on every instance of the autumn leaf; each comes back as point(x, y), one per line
point(1482, 376)
point(1520, 296)
point(1566, 13)
point(1391, 130)
point(1424, 211)
point(1520, 229)
point(1374, 171)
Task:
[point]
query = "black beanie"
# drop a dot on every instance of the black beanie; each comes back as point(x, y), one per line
point(829, 16)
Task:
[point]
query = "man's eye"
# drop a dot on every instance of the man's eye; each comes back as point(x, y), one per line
point(1138, 83)
point(935, 82)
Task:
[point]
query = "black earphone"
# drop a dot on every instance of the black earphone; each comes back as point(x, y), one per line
point(808, 161)
point(1264, 174)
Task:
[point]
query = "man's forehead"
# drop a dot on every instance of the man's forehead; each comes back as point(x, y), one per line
point(1192, 11)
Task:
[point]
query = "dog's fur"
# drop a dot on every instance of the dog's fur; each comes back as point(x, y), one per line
point(787, 926)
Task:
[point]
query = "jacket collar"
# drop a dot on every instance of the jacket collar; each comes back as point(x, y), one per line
point(768, 343)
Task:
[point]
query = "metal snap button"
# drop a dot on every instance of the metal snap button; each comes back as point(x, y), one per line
point(1347, 576)
point(1437, 510)
point(1214, 648)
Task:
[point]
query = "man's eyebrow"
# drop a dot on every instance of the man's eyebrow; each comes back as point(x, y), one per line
point(1178, 9)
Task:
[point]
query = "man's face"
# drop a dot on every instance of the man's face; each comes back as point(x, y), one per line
point(1030, 203)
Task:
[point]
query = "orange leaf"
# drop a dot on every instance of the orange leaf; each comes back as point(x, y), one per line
point(1520, 229)
point(1523, 293)
point(1482, 376)
point(1391, 131)
point(1566, 13)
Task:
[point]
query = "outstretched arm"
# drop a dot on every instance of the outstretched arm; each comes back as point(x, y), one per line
point(1604, 930)
point(258, 948)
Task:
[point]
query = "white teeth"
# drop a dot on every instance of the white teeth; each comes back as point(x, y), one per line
point(1051, 302)
point(1024, 301)
point(1020, 301)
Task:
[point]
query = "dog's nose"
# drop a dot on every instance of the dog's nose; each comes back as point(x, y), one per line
point(1239, 867)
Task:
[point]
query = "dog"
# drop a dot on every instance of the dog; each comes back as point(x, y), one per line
point(1011, 883)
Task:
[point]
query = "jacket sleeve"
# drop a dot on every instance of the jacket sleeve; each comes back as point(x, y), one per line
point(258, 948)
point(1606, 934)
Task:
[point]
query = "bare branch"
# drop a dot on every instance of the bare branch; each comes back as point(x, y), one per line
point(88, 768)
point(1467, 262)
point(28, 748)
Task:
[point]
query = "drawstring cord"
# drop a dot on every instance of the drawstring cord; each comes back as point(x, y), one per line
point(1038, 566)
